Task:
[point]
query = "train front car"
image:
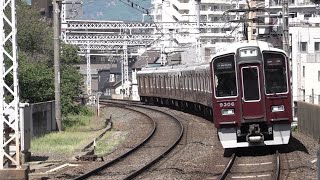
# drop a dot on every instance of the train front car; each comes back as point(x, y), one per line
point(252, 96)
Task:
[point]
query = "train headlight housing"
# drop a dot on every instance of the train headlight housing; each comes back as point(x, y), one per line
point(227, 112)
point(277, 108)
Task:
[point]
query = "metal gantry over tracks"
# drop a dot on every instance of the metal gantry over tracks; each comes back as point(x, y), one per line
point(97, 36)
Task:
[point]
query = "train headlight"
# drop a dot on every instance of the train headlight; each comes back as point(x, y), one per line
point(227, 111)
point(277, 108)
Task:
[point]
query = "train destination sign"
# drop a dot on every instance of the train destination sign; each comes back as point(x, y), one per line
point(274, 62)
point(224, 65)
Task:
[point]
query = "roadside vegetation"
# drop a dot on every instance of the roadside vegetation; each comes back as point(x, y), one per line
point(36, 82)
point(36, 71)
point(107, 143)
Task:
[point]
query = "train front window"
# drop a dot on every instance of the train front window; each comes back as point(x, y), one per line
point(225, 76)
point(275, 73)
point(250, 83)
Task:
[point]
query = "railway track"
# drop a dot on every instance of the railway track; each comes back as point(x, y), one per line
point(136, 160)
point(266, 169)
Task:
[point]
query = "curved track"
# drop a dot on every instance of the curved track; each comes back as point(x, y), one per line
point(102, 171)
point(110, 163)
point(253, 174)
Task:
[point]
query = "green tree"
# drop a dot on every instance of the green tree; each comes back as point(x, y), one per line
point(35, 36)
point(36, 73)
point(35, 79)
point(71, 79)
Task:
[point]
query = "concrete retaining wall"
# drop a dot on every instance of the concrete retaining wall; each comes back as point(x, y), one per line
point(309, 119)
point(41, 117)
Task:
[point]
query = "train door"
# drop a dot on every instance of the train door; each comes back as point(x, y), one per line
point(251, 92)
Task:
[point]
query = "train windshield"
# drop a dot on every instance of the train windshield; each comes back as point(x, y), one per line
point(275, 73)
point(225, 76)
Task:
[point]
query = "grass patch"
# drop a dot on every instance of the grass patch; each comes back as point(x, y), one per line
point(78, 131)
point(108, 142)
point(62, 142)
point(85, 121)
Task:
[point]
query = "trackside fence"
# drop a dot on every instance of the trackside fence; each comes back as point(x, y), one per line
point(309, 119)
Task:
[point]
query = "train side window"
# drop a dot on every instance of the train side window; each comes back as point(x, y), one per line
point(187, 82)
point(191, 82)
point(199, 82)
point(177, 82)
point(225, 84)
point(202, 83)
point(196, 82)
point(184, 83)
point(146, 81)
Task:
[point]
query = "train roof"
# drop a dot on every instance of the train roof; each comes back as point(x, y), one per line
point(177, 68)
point(233, 47)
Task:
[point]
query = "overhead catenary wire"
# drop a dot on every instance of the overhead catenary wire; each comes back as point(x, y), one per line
point(145, 11)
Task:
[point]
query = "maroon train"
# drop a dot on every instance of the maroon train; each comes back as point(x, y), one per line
point(245, 89)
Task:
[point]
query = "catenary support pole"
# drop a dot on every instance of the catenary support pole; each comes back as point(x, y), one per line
point(56, 39)
point(9, 91)
point(285, 26)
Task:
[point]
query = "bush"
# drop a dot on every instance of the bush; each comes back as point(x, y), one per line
point(79, 120)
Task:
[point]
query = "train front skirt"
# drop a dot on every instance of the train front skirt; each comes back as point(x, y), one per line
point(281, 135)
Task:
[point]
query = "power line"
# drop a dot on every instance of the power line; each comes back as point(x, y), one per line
point(145, 11)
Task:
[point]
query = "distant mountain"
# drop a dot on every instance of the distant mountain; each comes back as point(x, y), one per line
point(113, 10)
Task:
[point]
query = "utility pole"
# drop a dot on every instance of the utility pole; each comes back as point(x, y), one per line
point(125, 66)
point(251, 24)
point(198, 43)
point(285, 26)
point(56, 46)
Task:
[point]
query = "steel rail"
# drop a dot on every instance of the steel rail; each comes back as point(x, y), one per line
point(277, 169)
point(148, 165)
point(106, 165)
point(228, 167)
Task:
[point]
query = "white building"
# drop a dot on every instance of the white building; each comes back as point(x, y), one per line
point(306, 63)
point(210, 11)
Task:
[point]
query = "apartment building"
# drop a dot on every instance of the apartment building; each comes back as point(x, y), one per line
point(306, 63)
point(210, 11)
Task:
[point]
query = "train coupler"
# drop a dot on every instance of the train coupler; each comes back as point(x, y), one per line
point(254, 135)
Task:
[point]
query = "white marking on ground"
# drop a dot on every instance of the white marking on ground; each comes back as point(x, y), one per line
point(313, 161)
point(62, 166)
point(255, 176)
point(257, 164)
point(212, 178)
point(220, 165)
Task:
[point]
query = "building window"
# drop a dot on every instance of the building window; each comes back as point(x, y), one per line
point(303, 71)
point(319, 99)
point(316, 46)
point(303, 46)
point(304, 95)
point(318, 75)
